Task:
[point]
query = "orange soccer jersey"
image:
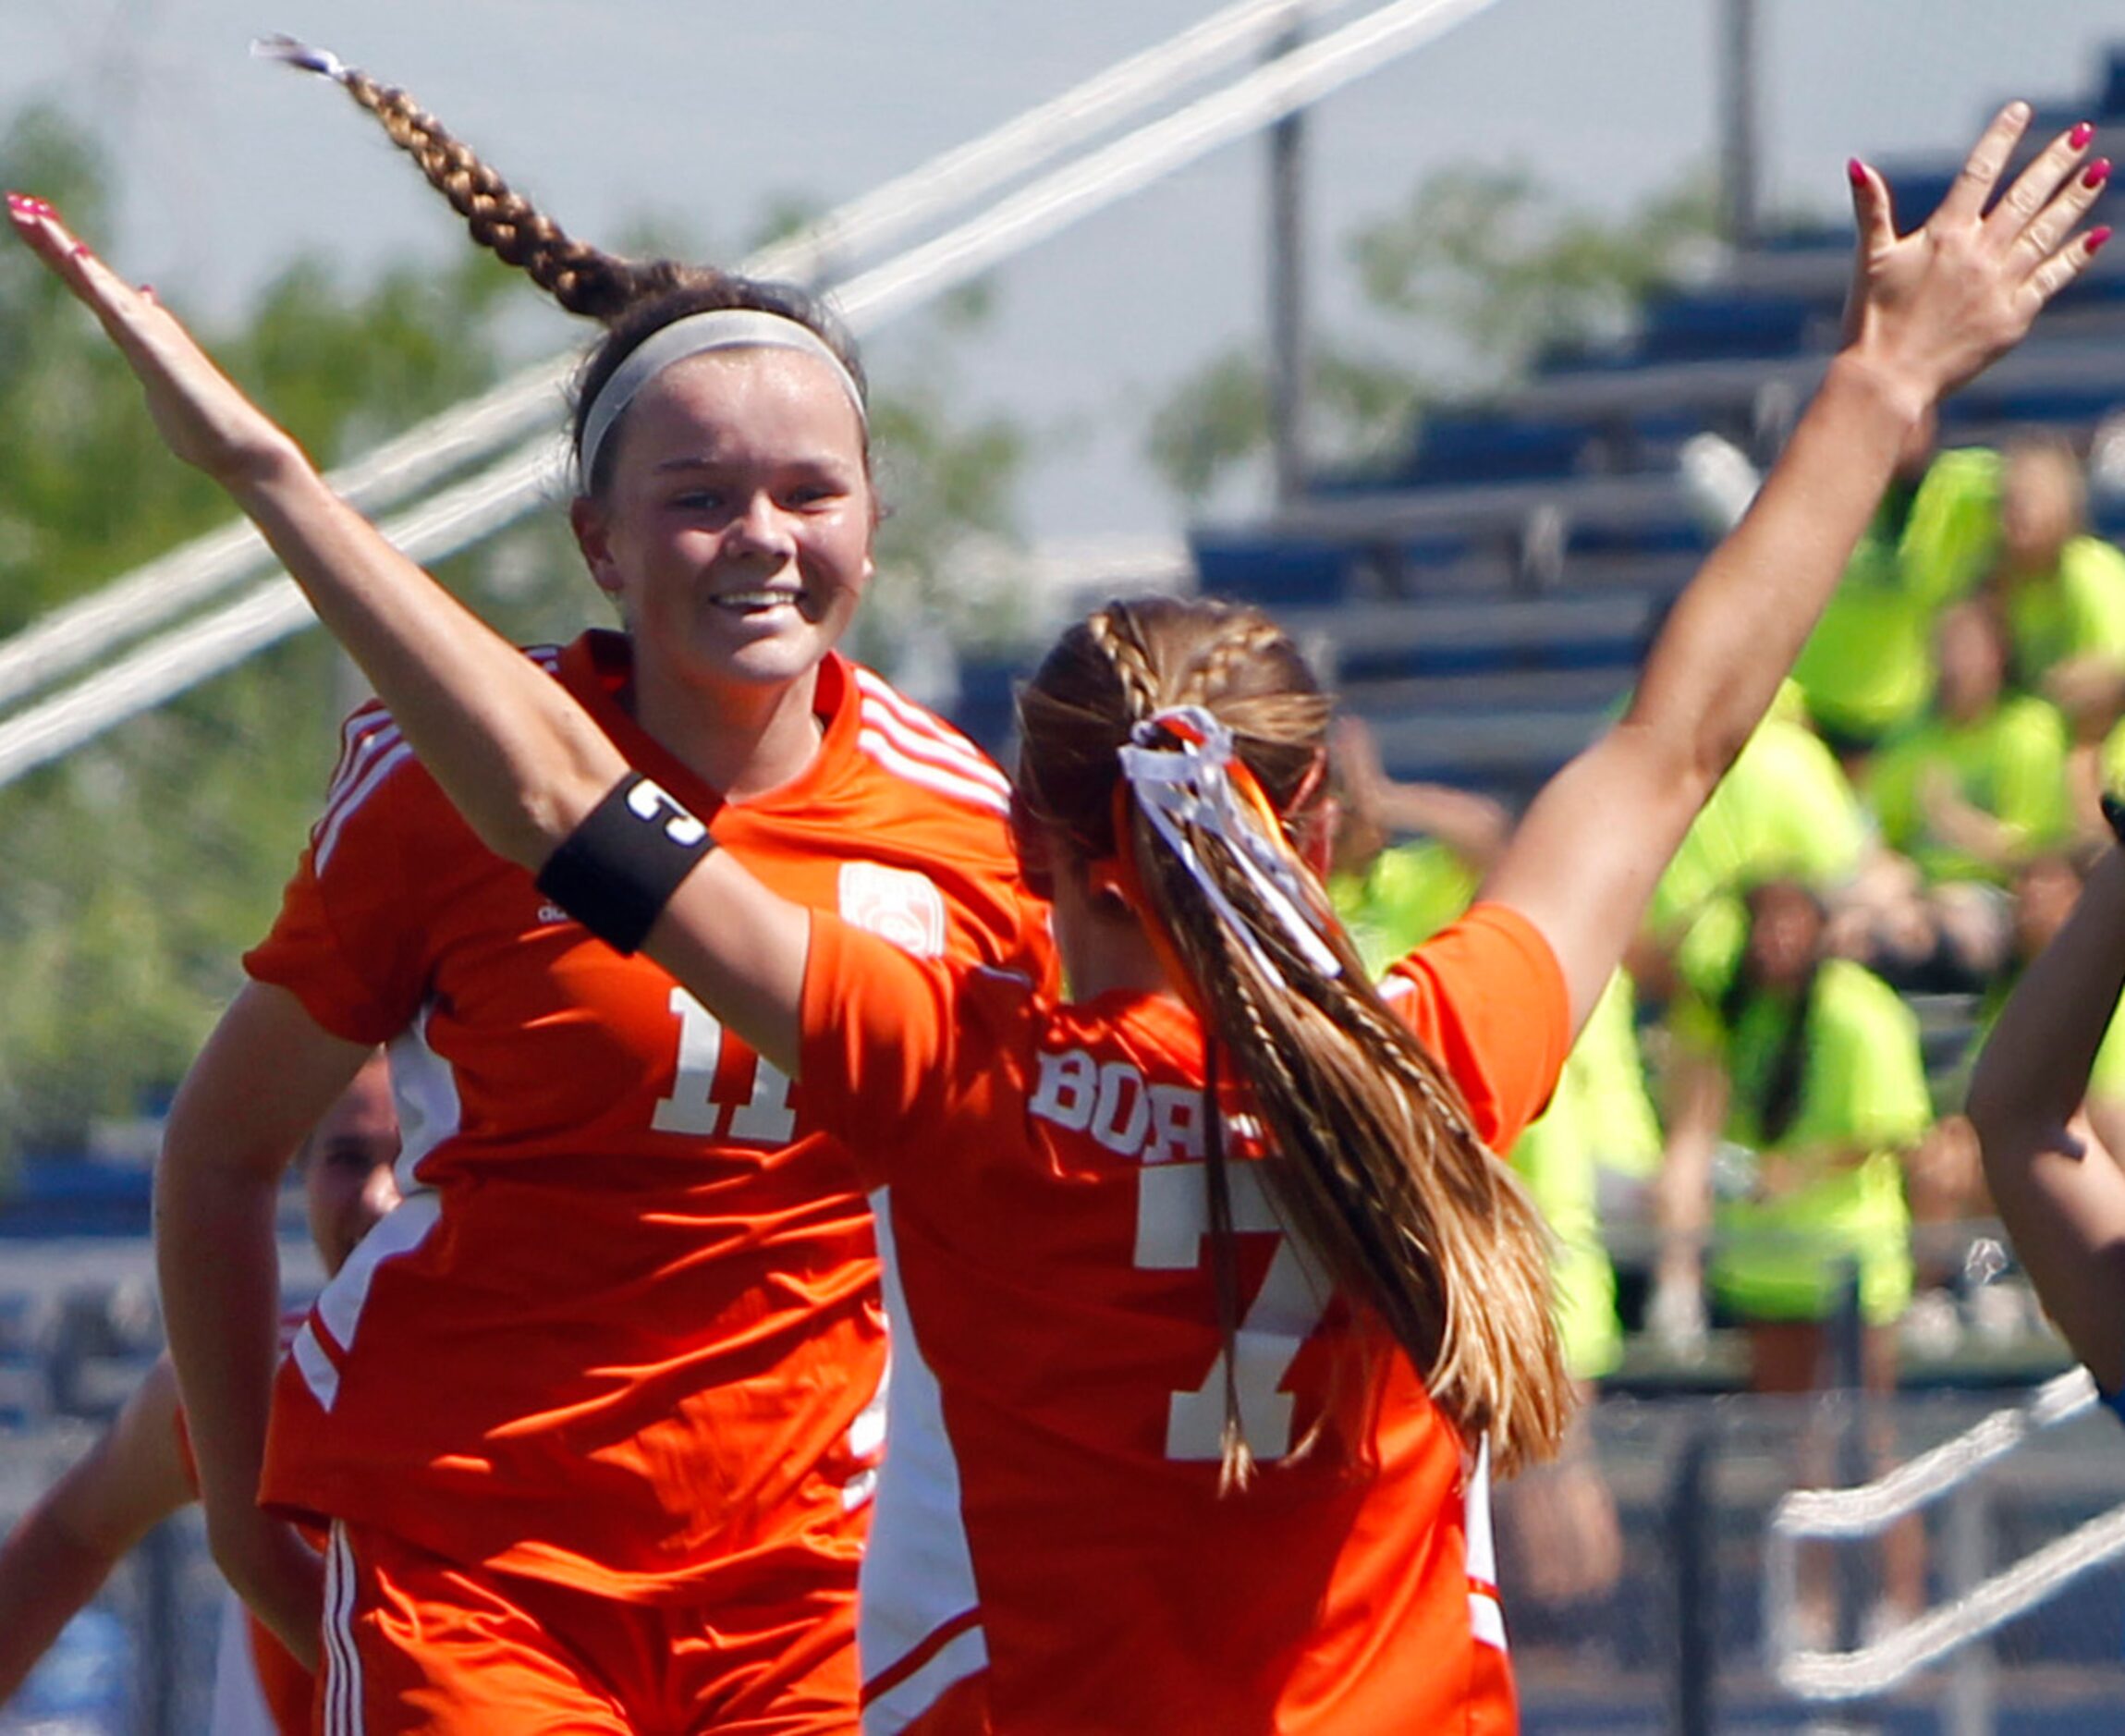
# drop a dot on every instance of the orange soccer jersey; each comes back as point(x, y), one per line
point(1050, 1550)
point(623, 1332)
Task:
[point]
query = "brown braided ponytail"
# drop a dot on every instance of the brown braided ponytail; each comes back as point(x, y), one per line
point(633, 299)
point(1376, 1165)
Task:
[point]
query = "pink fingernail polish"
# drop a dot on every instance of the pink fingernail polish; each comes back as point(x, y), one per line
point(2097, 173)
point(2097, 236)
point(2083, 133)
point(80, 249)
point(1856, 171)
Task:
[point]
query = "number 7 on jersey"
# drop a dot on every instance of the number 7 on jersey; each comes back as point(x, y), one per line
point(1172, 1221)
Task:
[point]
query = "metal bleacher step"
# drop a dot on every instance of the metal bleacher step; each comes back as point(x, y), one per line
point(1507, 754)
point(1481, 509)
point(2093, 360)
point(1457, 696)
point(1467, 634)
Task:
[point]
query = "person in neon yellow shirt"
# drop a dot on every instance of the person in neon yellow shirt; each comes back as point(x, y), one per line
point(2063, 591)
point(1392, 896)
point(1973, 789)
point(1809, 1068)
point(1868, 667)
point(1784, 808)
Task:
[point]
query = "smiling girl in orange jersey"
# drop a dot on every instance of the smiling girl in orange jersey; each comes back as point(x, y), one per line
point(596, 1413)
point(1213, 1296)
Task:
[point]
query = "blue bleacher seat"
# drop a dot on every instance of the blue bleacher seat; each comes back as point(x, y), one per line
point(1492, 449)
point(1983, 402)
point(1705, 325)
point(1651, 536)
point(1271, 571)
point(985, 708)
point(2111, 106)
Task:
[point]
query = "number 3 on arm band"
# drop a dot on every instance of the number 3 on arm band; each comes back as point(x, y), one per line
point(617, 870)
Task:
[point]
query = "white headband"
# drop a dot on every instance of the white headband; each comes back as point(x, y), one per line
point(720, 328)
point(1176, 766)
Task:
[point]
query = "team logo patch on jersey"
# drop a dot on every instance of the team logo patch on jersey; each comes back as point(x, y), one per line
point(896, 904)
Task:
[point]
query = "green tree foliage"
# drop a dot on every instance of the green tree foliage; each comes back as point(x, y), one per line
point(1482, 264)
point(1491, 258)
point(139, 867)
point(1218, 418)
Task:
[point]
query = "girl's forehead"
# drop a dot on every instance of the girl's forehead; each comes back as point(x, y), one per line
point(747, 394)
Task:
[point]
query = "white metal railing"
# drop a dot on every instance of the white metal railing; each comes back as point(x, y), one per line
point(134, 604)
point(515, 485)
point(1980, 1606)
point(144, 601)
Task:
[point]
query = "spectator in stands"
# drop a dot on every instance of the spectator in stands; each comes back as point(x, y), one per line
point(139, 1472)
point(1394, 890)
point(1407, 856)
point(1785, 808)
point(1974, 787)
point(1964, 795)
point(1804, 1089)
point(2062, 590)
point(1868, 667)
point(2062, 1196)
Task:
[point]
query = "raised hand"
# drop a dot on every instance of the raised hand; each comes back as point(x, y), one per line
point(1935, 306)
point(202, 415)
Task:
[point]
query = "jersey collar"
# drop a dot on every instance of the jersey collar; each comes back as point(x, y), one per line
point(598, 666)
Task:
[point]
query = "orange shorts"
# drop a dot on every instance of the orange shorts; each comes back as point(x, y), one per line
point(414, 1642)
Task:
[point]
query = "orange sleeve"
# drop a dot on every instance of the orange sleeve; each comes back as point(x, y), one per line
point(894, 1046)
point(351, 938)
point(876, 1029)
point(1487, 998)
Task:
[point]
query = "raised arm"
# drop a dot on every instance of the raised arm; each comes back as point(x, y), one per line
point(1927, 311)
point(61, 1550)
point(515, 753)
point(2061, 1197)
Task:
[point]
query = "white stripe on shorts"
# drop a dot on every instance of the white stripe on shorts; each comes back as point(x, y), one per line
point(342, 1662)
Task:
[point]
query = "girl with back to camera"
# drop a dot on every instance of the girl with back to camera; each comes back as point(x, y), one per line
point(594, 1415)
point(1214, 1297)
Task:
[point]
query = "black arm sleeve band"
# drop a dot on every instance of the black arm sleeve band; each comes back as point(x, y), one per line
point(617, 870)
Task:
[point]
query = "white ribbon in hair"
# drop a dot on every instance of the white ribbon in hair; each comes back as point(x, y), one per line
point(719, 328)
point(300, 55)
point(1181, 782)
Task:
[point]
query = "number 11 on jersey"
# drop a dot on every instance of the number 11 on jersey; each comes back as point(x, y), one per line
point(762, 1115)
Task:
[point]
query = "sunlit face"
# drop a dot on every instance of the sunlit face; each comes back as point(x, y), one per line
point(348, 1184)
point(735, 529)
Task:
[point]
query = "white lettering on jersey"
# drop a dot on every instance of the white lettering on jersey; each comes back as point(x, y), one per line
point(761, 1117)
point(1068, 1090)
point(1157, 1123)
point(1123, 1112)
point(1176, 1124)
point(1172, 1219)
